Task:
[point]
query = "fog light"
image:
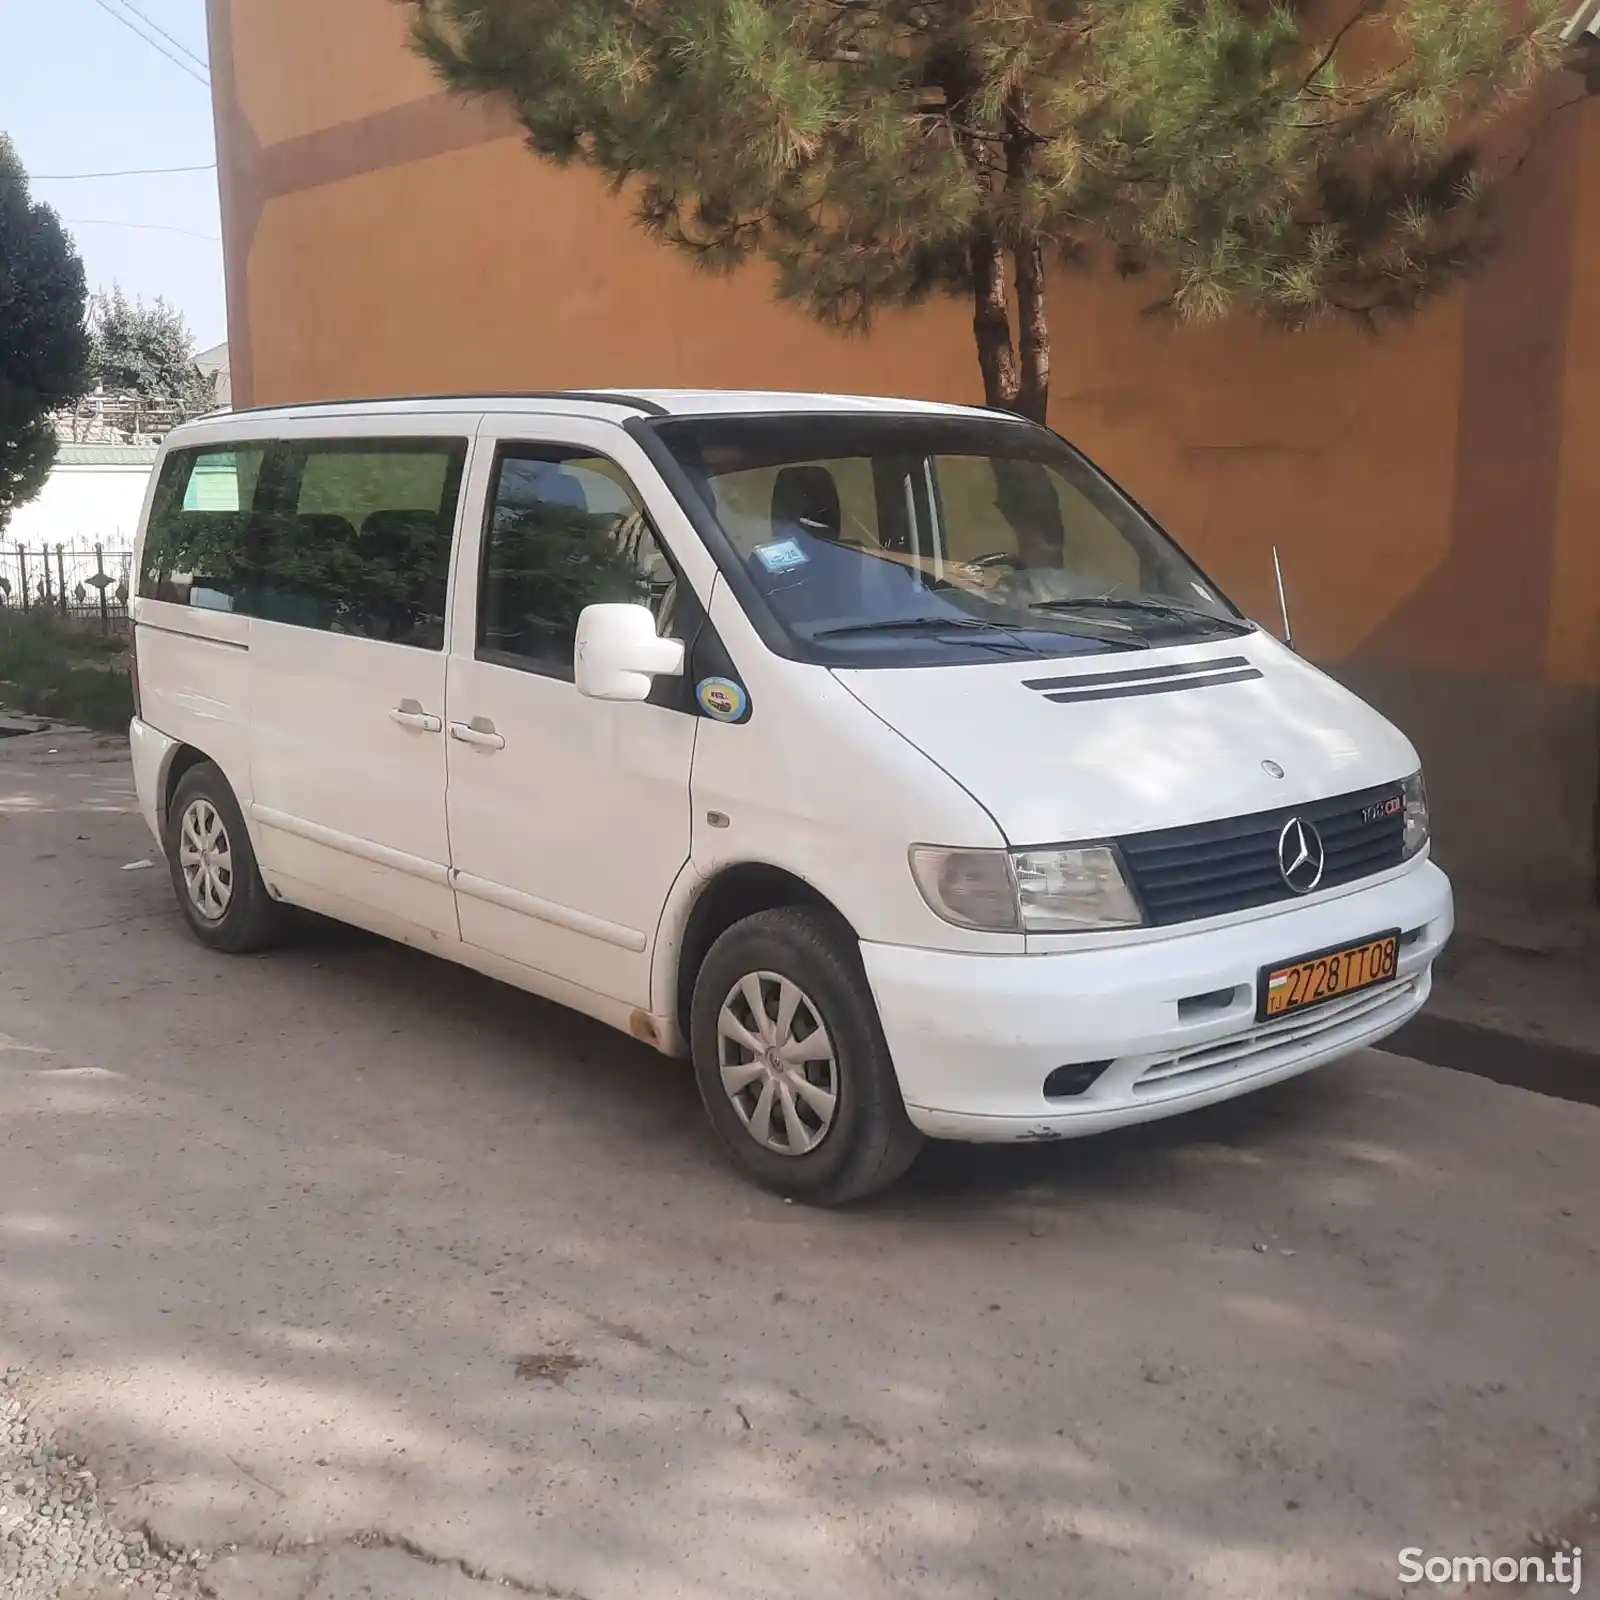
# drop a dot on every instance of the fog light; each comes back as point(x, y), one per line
point(1065, 1082)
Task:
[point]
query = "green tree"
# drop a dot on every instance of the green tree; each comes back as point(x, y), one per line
point(146, 351)
point(43, 349)
point(881, 151)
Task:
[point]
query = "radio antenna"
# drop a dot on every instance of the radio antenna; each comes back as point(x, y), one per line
point(1283, 599)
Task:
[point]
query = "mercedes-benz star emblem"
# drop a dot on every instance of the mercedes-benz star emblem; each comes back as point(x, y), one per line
point(1301, 857)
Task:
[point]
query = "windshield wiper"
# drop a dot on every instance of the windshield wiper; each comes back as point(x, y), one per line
point(1007, 630)
point(909, 624)
point(996, 635)
point(1159, 608)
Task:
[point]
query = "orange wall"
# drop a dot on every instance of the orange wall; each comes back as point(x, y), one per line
point(313, 65)
point(1574, 634)
point(1432, 492)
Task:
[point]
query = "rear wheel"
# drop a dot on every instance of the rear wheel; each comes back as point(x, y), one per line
point(213, 866)
point(792, 1063)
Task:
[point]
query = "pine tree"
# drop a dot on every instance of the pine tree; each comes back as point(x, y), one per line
point(42, 345)
point(881, 151)
point(146, 352)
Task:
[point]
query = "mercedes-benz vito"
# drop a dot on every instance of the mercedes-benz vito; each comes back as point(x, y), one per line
point(882, 757)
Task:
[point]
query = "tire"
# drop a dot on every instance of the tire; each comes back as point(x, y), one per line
point(235, 914)
point(866, 1140)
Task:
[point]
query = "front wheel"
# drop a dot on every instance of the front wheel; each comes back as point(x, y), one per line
point(792, 1063)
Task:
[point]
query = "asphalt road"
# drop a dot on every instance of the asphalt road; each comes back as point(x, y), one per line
point(409, 1285)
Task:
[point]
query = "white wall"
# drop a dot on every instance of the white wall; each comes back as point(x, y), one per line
point(82, 506)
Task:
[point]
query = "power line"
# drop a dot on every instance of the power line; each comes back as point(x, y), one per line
point(150, 22)
point(154, 44)
point(204, 68)
point(153, 227)
point(131, 172)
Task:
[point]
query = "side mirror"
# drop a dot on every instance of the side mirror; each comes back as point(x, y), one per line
point(619, 653)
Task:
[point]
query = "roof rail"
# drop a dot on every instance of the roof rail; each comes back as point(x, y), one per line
point(630, 402)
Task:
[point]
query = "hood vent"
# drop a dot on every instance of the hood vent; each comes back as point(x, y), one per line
point(1145, 680)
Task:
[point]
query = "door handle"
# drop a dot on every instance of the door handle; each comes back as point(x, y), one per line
point(480, 731)
point(409, 714)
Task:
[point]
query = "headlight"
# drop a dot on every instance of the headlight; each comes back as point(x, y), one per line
point(1416, 831)
point(1063, 890)
point(1027, 891)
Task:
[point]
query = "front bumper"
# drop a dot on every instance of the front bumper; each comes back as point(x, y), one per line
point(974, 1037)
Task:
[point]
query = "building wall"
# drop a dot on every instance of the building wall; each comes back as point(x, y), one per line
point(82, 505)
point(1432, 491)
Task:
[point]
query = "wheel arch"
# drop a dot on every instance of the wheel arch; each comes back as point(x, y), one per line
point(184, 758)
point(732, 893)
point(181, 760)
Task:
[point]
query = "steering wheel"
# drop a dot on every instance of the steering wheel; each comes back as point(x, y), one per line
point(999, 558)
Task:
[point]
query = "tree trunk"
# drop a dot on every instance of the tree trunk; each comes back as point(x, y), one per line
point(1033, 329)
point(991, 323)
point(1024, 389)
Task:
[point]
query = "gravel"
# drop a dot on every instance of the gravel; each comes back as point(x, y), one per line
point(56, 1540)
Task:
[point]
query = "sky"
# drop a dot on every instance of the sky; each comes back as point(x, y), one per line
point(80, 92)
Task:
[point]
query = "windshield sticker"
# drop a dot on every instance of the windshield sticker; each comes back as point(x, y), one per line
point(722, 699)
point(783, 556)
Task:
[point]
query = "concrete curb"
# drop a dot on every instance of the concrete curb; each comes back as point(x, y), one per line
point(1557, 1070)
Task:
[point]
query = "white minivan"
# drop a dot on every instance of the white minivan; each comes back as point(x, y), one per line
point(882, 757)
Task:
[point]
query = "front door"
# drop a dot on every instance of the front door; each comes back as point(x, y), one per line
point(569, 817)
point(352, 541)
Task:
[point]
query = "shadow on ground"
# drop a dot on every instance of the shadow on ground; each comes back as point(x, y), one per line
point(347, 1246)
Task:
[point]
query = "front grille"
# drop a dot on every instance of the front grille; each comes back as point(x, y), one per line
point(1213, 868)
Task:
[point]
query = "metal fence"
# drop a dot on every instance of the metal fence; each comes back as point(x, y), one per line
point(88, 585)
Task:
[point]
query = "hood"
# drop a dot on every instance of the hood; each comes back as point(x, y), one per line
point(1091, 748)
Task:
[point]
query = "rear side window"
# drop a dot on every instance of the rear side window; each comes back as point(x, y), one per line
point(355, 535)
point(343, 536)
point(198, 524)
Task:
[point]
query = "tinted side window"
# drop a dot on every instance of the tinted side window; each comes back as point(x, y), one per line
point(566, 531)
point(195, 551)
point(354, 537)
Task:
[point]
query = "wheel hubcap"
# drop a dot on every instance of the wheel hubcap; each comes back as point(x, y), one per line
point(777, 1062)
point(206, 857)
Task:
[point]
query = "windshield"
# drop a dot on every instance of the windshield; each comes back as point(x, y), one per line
point(905, 540)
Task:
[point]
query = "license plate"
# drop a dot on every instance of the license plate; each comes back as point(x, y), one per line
point(1312, 980)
